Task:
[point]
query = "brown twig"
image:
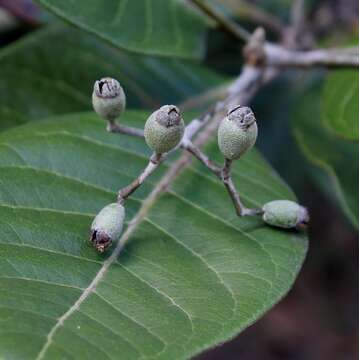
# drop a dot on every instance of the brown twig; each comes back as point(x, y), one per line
point(229, 26)
point(224, 175)
point(203, 158)
point(248, 11)
point(116, 128)
point(263, 63)
point(226, 178)
point(239, 92)
point(153, 164)
point(297, 20)
point(278, 56)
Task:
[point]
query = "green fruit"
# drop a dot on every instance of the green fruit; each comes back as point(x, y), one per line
point(237, 132)
point(164, 129)
point(285, 214)
point(107, 226)
point(108, 99)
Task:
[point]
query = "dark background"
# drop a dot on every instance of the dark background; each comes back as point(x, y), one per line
point(319, 318)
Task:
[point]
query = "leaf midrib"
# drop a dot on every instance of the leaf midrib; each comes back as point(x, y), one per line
point(147, 204)
point(141, 215)
point(145, 207)
point(111, 41)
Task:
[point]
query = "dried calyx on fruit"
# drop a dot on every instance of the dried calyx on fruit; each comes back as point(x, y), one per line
point(164, 129)
point(108, 98)
point(107, 226)
point(237, 132)
point(285, 214)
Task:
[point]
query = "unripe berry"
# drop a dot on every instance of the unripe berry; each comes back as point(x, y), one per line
point(164, 129)
point(237, 132)
point(108, 98)
point(285, 214)
point(107, 226)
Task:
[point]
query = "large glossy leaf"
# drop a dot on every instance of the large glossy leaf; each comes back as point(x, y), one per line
point(155, 27)
point(341, 104)
point(337, 157)
point(52, 71)
point(193, 274)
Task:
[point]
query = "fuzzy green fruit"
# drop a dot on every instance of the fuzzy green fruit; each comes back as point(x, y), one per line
point(107, 226)
point(164, 129)
point(108, 99)
point(285, 214)
point(237, 132)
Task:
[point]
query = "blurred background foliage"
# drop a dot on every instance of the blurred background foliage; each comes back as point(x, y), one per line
point(308, 131)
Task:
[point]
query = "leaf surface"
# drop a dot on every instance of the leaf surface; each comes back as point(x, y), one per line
point(341, 104)
point(192, 275)
point(336, 156)
point(139, 25)
point(52, 71)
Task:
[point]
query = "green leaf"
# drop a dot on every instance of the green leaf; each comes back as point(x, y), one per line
point(341, 104)
point(192, 276)
point(39, 78)
point(337, 157)
point(153, 27)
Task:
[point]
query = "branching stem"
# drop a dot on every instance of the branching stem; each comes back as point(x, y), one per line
point(263, 64)
point(153, 164)
point(203, 158)
point(277, 55)
point(224, 175)
point(239, 92)
point(241, 210)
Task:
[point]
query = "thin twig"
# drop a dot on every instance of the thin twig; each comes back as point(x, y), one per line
point(123, 129)
point(298, 35)
point(228, 25)
point(247, 82)
point(203, 158)
point(239, 92)
point(248, 11)
point(278, 56)
point(263, 61)
point(297, 18)
point(153, 164)
point(275, 57)
point(241, 210)
point(224, 175)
